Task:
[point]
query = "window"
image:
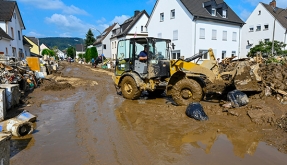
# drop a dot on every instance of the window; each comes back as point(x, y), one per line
point(19, 35)
point(213, 12)
point(14, 15)
point(12, 32)
point(159, 35)
point(266, 27)
point(172, 14)
point(176, 54)
point(112, 44)
point(259, 12)
point(251, 29)
point(202, 33)
point(104, 46)
point(14, 51)
point(266, 40)
point(205, 56)
point(224, 13)
point(161, 17)
point(223, 54)
point(175, 35)
point(214, 34)
point(234, 36)
point(233, 53)
point(142, 28)
point(115, 44)
point(258, 28)
point(224, 36)
point(6, 51)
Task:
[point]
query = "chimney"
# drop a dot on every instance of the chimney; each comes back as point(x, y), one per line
point(273, 4)
point(136, 12)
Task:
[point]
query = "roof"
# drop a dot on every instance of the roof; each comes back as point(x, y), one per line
point(129, 23)
point(278, 13)
point(7, 10)
point(80, 47)
point(104, 34)
point(3, 34)
point(34, 40)
point(196, 9)
point(26, 42)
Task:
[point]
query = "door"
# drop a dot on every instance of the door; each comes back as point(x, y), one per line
point(123, 57)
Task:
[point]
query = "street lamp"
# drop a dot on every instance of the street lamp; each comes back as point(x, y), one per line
point(101, 36)
point(274, 10)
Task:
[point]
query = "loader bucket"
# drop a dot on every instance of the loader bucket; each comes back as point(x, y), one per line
point(247, 77)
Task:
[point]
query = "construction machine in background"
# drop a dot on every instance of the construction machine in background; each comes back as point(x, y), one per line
point(185, 81)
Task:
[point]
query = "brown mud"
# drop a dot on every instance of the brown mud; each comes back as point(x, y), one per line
point(88, 123)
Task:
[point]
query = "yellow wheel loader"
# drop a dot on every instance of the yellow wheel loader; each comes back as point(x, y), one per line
point(185, 81)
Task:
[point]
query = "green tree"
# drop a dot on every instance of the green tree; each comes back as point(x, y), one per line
point(266, 48)
point(90, 39)
point(48, 52)
point(91, 53)
point(81, 55)
point(71, 52)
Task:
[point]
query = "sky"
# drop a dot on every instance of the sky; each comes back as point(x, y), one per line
point(73, 18)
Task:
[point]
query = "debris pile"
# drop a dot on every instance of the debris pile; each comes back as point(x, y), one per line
point(274, 80)
point(282, 123)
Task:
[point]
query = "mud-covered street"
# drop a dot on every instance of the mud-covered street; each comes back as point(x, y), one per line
point(81, 120)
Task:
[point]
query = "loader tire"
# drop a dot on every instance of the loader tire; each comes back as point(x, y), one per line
point(186, 91)
point(129, 88)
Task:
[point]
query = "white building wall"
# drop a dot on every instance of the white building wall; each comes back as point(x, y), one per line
point(139, 28)
point(218, 44)
point(18, 39)
point(114, 45)
point(182, 23)
point(27, 52)
point(261, 19)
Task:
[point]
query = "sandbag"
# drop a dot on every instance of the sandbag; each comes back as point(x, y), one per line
point(195, 110)
point(237, 98)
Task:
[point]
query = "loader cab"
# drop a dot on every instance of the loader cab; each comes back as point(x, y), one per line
point(158, 56)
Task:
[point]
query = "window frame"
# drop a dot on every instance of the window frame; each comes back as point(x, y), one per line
point(214, 34)
point(161, 17)
point(224, 37)
point(172, 14)
point(175, 35)
point(201, 30)
point(234, 36)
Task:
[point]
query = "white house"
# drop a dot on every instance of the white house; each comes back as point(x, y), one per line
point(132, 27)
point(265, 23)
point(195, 26)
point(103, 43)
point(42, 47)
point(11, 26)
point(60, 53)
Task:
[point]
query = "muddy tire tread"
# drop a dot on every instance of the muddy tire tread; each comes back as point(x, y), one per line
point(136, 93)
point(194, 86)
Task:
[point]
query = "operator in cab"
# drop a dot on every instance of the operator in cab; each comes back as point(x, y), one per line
point(143, 54)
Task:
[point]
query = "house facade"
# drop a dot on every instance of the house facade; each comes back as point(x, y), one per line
point(11, 26)
point(266, 22)
point(27, 47)
point(132, 27)
point(196, 26)
point(80, 49)
point(35, 49)
point(103, 43)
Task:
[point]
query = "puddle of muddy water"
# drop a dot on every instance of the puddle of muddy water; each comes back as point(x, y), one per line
point(176, 139)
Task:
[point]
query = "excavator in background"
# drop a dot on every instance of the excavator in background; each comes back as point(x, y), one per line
point(185, 80)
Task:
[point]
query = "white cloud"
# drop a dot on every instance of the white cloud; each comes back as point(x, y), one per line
point(55, 5)
point(34, 34)
point(120, 19)
point(66, 34)
point(68, 23)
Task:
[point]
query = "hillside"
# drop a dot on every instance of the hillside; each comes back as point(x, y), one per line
point(61, 42)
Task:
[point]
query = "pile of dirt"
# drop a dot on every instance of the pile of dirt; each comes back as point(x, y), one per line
point(55, 86)
point(274, 80)
point(282, 123)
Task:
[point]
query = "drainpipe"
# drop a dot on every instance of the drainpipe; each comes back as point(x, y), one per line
point(285, 39)
point(194, 35)
point(239, 42)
